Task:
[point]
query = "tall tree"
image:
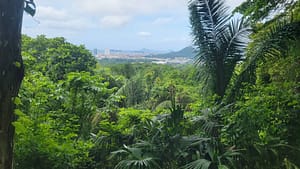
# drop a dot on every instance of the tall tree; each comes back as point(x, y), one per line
point(11, 71)
point(220, 41)
point(259, 10)
point(272, 38)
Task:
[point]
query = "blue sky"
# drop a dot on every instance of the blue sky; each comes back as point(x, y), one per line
point(116, 24)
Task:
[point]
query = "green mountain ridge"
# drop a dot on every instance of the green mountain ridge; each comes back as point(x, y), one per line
point(187, 52)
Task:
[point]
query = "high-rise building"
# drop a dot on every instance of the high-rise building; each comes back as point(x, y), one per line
point(95, 52)
point(107, 51)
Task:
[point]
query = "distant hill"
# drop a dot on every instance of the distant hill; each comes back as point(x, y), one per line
point(187, 52)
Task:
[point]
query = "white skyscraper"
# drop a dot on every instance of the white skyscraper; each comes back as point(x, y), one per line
point(107, 51)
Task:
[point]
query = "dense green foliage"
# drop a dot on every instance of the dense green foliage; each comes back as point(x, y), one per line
point(76, 113)
point(262, 9)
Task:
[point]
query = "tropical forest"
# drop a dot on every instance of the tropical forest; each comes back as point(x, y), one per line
point(236, 106)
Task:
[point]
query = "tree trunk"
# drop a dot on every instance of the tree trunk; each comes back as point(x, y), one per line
point(11, 73)
point(220, 79)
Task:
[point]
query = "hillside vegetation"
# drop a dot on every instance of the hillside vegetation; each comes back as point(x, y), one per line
point(76, 113)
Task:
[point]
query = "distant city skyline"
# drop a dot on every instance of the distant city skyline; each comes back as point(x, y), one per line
point(115, 24)
point(144, 51)
point(183, 56)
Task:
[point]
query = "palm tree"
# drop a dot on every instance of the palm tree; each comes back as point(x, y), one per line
point(219, 40)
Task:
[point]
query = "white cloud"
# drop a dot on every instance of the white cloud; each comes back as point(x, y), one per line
point(74, 25)
point(162, 20)
point(71, 18)
point(144, 34)
point(136, 7)
point(129, 7)
point(78, 14)
point(49, 13)
point(114, 21)
point(117, 13)
point(52, 18)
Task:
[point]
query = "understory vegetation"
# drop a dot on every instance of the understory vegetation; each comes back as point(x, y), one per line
point(238, 107)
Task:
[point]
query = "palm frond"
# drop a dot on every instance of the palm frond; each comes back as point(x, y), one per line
point(145, 163)
point(199, 141)
point(271, 42)
point(135, 158)
point(198, 164)
point(289, 165)
point(222, 167)
point(208, 120)
point(235, 39)
point(208, 18)
point(220, 43)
